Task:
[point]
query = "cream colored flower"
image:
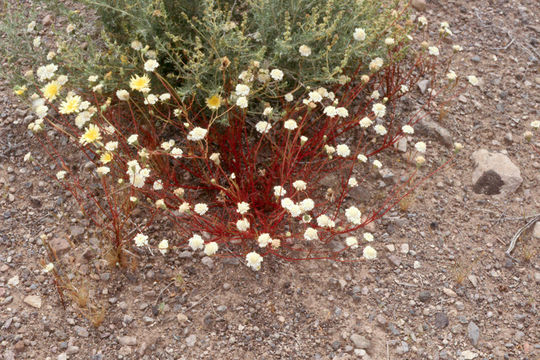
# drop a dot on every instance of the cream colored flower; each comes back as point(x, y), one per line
point(370, 253)
point(254, 260)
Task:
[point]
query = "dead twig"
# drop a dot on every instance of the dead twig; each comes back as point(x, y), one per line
point(518, 234)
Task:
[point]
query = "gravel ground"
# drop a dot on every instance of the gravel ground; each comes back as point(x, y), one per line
point(443, 289)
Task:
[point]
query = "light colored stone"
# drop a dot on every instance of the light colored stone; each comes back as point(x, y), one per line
point(495, 174)
point(127, 340)
point(419, 5)
point(14, 281)
point(360, 342)
point(430, 128)
point(182, 318)
point(536, 230)
point(191, 340)
point(60, 245)
point(423, 85)
point(449, 292)
point(404, 248)
point(33, 300)
point(391, 247)
point(468, 355)
point(417, 265)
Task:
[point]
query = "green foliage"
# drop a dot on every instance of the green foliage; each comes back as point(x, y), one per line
point(193, 39)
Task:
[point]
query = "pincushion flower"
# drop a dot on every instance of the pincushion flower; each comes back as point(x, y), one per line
point(380, 130)
point(92, 78)
point(457, 48)
point(351, 242)
point(379, 109)
point(268, 111)
point(196, 242)
point(299, 185)
point(330, 111)
point(304, 50)
point(137, 175)
point(307, 205)
point(353, 215)
point(377, 164)
point(197, 134)
point(242, 207)
point(133, 139)
point(420, 146)
point(342, 112)
point(263, 127)
point(369, 253)
point(376, 64)
point(290, 125)
point(183, 208)
point(389, 41)
point(451, 75)
point(151, 65)
point(352, 182)
point(61, 174)
point(103, 170)
point(362, 158)
point(276, 74)
point(122, 95)
point(200, 208)
point(254, 260)
point(473, 80)
point(141, 239)
point(311, 234)
point(366, 122)
point(136, 45)
point(158, 185)
point(163, 246)
point(535, 124)
point(264, 239)
point(46, 72)
point(140, 83)
point(368, 237)
point(213, 102)
point(177, 153)
point(359, 34)
point(70, 105)
point(91, 135)
point(408, 129)
point(242, 224)
point(343, 150)
point(211, 248)
point(48, 268)
point(289, 97)
point(420, 160)
point(106, 157)
point(150, 99)
point(315, 96)
point(433, 51)
point(242, 90)
point(242, 102)
point(325, 221)
point(279, 191)
point(51, 90)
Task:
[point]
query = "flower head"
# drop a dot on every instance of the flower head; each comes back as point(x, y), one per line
point(196, 242)
point(370, 253)
point(163, 246)
point(473, 80)
point(304, 50)
point(359, 34)
point(353, 215)
point(51, 90)
point(254, 260)
point(264, 239)
point(71, 104)
point(366, 122)
point(242, 102)
point(140, 83)
point(200, 208)
point(407, 129)
point(276, 74)
point(351, 242)
point(213, 102)
point(151, 65)
point(368, 237)
point(242, 224)
point(290, 124)
point(420, 146)
point(263, 127)
point(242, 90)
point(197, 134)
point(343, 150)
point(379, 109)
point(311, 234)
point(243, 207)
point(211, 248)
point(376, 64)
point(141, 239)
point(122, 95)
point(91, 135)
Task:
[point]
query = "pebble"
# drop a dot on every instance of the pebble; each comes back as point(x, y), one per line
point(221, 308)
point(441, 320)
point(449, 292)
point(33, 300)
point(182, 318)
point(416, 264)
point(127, 340)
point(424, 296)
point(473, 332)
point(191, 340)
point(360, 341)
point(404, 248)
point(394, 260)
point(208, 262)
point(81, 331)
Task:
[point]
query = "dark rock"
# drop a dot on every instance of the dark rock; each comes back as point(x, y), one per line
point(441, 320)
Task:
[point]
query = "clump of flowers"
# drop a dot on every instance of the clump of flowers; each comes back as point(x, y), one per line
point(244, 174)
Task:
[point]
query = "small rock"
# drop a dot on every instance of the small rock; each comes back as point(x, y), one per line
point(62, 356)
point(473, 332)
point(423, 85)
point(449, 292)
point(441, 320)
point(191, 340)
point(33, 300)
point(404, 248)
point(394, 260)
point(473, 279)
point(468, 355)
point(81, 331)
point(14, 281)
point(401, 145)
point(419, 5)
point(360, 341)
point(391, 247)
point(221, 308)
point(536, 230)
point(76, 232)
point(208, 262)
point(430, 128)
point(416, 264)
point(47, 20)
point(475, 59)
point(495, 174)
point(59, 245)
point(182, 318)
point(19, 346)
point(424, 296)
point(127, 340)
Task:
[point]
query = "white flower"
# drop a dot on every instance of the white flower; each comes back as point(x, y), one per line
point(242, 102)
point(61, 174)
point(380, 130)
point(376, 64)
point(352, 182)
point(473, 80)
point(307, 205)
point(289, 97)
point(48, 268)
point(325, 221)
point(351, 242)
point(377, 164)
point(151, 99)
point(136, 45)
point(164, 96)
point(535, 124)
point(183, 208)
point(305, 50)
point(167, 145)
point(122, 95)
point(242, 90)
point(214, 157)
point(31, 26)
point(370, 253)
point(158, 185)
point(299, 185)
point(353, 215)
point(246, 76)
point(263, 127)
point(420, 160)
point(264, 239)
point(160, 204)
point(290, 124)
point(315, 96)
point(62, 79)
point(303, 139)
point(133, 139)
point(342, 112)
point(329, 149)
point(459, 146)
point(46, 72)
point(268, 111)
point(254, 260)
point(200, 208)
point(276, 74)
point(389, 41)
point(243, 207)
point(311, 234)
point(163, 246)
point(211, 248)
point(41, 111)
point(362, 158)
point(51, 55)
point(330, 111)
point(196, 242)
point(92, 78)
point(359, 34)
point(141, 239)
point(197, 134)
point(365, 122)
point(242, 224)
point(451, 75)
point(295, 210)
point(279, 191)
point(368, 237)
point(379, 109)
point(151, 65)
point(176, 153)
point(37, 41)
point(420, 146)
point(343, 150)
point(457, 48)
point(404, 89)
point(407, 129)
point(103, 170)
point(422, 20)
point(287, 203)
point(433, 50)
